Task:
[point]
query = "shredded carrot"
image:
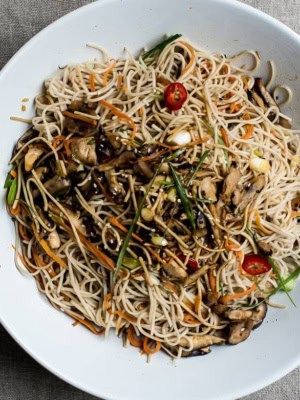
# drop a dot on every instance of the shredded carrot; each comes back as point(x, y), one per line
point(231, 246)
point(87, 324)
point(295, 214)
point(171, 287)
point(245, 82)
point(235, 107)
point(80, 117)
point(247, 116)
point(157, 256)
point(197, 303)
point(259, 224)
point(195, 142)
point(121, 115)
point(119, 82)
point(40, 262)
point(126, 316)
point(133, 340)
point(13, 173)
point(212, 281)
point(148, 350)
point(67, 146)
point(107, 72)
point(192, 58)
point(225, 69)
point(229, 297)
point(117, 224)
point(107, 304)
point(225, 137)
point(47, 249)
point(141, 111)
point(92, 82)
point(57, 140)
point(249, 132)
point(23, 233)
point(153, 156)
point(189, 319)
point(15, 211)
point(97, 253)
point(75, 323)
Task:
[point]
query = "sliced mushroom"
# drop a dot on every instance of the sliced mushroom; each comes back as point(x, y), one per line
point(124, 160)
point(58, 185)
point(144, 169)
point(296, 203)
point(230, 184)
point(260, 88)
point(264, 248)
point(208, 189)
point(198, 342)
point(196, 275)
point(201, 224)
point(238, 315)
point(237, 196)
point(40, 172)
point(240, 331)
point(259, 314)
point(285, 123)
point(219, 309)
point(84, 150)
point(255, 187)
point(76, 125)
point(212, 299)
point(116, 188)
point(75, 219)
point(54, 240)
point(174, 270)
point(32, 155)
point(215, 213)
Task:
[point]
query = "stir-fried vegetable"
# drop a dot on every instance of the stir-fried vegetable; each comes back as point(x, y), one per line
point(255, 265)
point(175, 95)
point(150, 56)
point(183, 197)
point(198, 166)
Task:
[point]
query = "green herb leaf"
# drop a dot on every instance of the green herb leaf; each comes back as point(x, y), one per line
point(183, 197)
point(130, 262)
point(282, 282)
point(92, 141)
point(150, 56)
point(133, 224)
point(250, 233)
point(12, 192)
point(176, 154)
point(226, 154)
point(204, 200)
point(201, 161)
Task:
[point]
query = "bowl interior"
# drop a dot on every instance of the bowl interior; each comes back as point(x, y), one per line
point(103, 367)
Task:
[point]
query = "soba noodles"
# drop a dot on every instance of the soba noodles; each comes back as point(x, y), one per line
point(207, 187)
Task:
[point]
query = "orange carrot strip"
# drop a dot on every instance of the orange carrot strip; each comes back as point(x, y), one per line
point(107, 304)
point(57, 140)
point(229, 297)
point(133, 340)
point(192, 57)
point(107, 72)
point(117, 224)
point(126, 316)
point(234, 107)
point(249, 132)
point(247, 116)
point(92, 82)
point(119, 82)
point(87, 324)
point(47, 249)
point(225, 137)
point(212, 281)
point(15, 211)
point(171, 287)
point(40, 262)
point(121, 115)
point(79, 117)
point(188, 318)
point(67, 146)
point(295, 214)
point(13, 173)
point(22, 232)
point(197, 303)
point(245, 82)
point(259, 224)
point(148, 350)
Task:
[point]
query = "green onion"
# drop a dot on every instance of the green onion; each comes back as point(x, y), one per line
point(282, 283)
point(204, 200)
point(250, 233)
point(132, 226)
point(12, 192)
point(226, 154)
point(176, 154)
point(150, 56)
point(8, 181)
point(201, 161)
point(183, 197)
point(92, 141)
point(130, 262)
point(208, 126)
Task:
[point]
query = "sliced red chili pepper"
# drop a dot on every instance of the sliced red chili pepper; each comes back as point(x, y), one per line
point(255, 265)
point(175, 95)
point(192, 264)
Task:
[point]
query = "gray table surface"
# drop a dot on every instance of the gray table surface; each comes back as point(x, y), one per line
point(20, 376)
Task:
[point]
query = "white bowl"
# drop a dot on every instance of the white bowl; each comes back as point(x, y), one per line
point(103, 367)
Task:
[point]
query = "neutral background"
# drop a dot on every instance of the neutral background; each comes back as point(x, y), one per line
point(21, 378)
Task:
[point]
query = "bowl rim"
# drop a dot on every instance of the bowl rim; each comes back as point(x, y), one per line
point(251, 388)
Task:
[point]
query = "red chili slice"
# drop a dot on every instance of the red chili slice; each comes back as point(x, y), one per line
point(175, 95)
point(192, 264)
point(256, 265)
